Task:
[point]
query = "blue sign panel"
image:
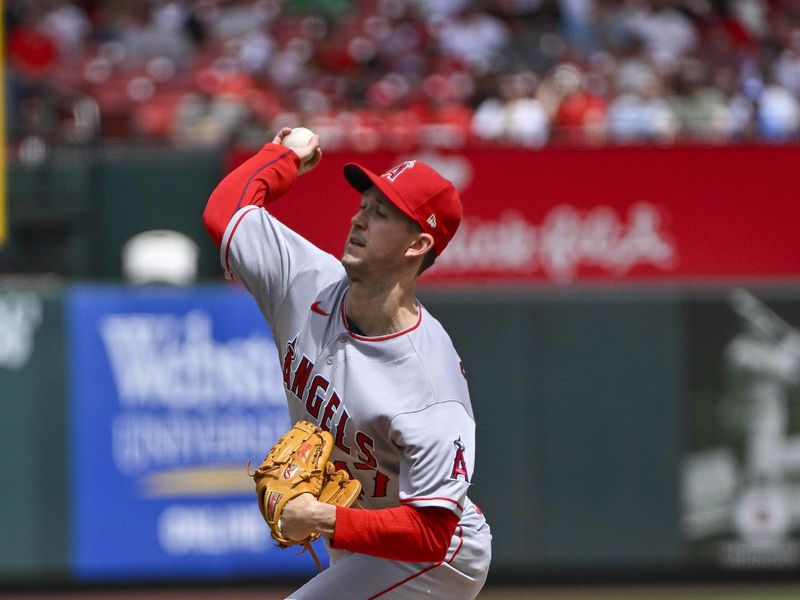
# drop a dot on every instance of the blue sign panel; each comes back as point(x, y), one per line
point(172, 392)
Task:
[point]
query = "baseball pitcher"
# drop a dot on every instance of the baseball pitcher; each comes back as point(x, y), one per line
point(366, 364)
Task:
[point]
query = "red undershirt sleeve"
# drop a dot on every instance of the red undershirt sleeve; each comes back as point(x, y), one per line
point(404, 533)
point(261, 179)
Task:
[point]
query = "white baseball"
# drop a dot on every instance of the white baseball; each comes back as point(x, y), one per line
point(299, 137)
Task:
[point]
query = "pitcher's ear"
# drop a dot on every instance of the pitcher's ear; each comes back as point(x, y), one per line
point(420, 245)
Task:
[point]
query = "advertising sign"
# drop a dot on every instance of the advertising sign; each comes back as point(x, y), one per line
point(172, 393)
point(741, 471)
point(562, 216)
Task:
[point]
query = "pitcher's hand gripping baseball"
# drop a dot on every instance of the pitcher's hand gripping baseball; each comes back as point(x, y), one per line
point(304, 143)
point(299, 463)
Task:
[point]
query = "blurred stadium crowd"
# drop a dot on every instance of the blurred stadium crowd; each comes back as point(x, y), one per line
point(369, 74)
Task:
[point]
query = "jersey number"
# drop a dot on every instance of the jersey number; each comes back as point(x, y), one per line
point(380, 480)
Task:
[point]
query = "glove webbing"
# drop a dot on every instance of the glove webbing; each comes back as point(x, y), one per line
point(280, 466)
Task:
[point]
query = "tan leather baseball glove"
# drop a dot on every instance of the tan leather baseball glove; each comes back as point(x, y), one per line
point(297, 464)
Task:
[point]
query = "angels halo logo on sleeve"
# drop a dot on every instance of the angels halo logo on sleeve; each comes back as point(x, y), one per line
point(459, 463)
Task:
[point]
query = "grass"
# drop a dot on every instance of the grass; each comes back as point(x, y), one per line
point(628, 592)
point(743, 592)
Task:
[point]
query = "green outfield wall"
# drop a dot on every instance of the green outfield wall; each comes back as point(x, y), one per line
point(34, 459)
point(629, 431)
point(72, 214)
point(578, 400)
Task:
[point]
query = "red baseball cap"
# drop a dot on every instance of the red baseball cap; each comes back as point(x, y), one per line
point(418, 191)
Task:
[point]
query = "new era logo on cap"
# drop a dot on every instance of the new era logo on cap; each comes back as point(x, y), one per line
point(418, 191)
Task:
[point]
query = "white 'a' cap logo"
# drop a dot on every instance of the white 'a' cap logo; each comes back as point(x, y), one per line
point(432, 220)
point(394, 172)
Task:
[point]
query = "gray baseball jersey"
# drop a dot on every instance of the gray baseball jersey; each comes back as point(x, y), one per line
point(397, 406)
